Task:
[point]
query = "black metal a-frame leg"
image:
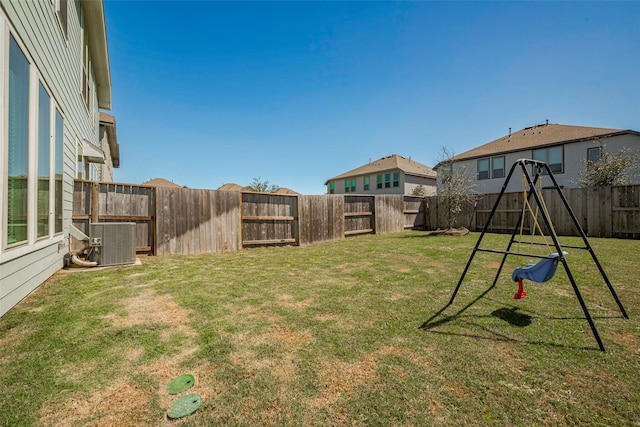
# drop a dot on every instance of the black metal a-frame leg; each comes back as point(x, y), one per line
point(541, 167)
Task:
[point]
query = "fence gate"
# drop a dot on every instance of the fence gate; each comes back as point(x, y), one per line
point(359, 215)
point(269, 219)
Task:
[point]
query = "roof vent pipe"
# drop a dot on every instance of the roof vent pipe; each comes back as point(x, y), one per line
point(547, 122)
point(509, 132)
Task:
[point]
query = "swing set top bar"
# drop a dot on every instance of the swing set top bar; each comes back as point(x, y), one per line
point(537, 163)
point(544, 244)
point(517, 253)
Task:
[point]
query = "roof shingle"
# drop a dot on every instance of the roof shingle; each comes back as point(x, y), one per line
point(392, 162)
point(537, 136)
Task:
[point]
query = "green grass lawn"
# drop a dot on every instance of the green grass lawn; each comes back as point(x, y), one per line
point(328, 334)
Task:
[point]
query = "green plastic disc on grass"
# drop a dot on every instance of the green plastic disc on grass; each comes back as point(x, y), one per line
point(184, 406)
point(180, 384)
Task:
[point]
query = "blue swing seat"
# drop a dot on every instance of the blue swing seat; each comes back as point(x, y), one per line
point(539, 272)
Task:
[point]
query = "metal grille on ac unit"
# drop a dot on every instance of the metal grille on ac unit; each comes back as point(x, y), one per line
point(113, 242)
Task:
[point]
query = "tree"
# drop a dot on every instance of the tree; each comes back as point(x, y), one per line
point(454, 186)
point(262, 186)
point(619, 168)
point(419, 191)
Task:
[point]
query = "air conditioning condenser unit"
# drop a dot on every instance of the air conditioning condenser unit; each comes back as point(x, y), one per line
point(113, 243)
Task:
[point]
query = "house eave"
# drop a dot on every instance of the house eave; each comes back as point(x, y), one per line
point(95, 25)
point(533, 147)
point(109, 122)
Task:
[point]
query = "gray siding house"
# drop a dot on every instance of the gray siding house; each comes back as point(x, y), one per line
point(393, 174)
point(55, 77)
point(565, 148)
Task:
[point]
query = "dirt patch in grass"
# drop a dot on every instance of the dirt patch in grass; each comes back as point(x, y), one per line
point(328, 317)
point(628, 339)
point(339, 320)
point(272, 335)
point(124, 402)
point(127, 403)
point(148, 308)
point(288, 301)
point(342, 381)
point(509, 359)
point(13, 336)
point(340, 378)
point(396, 297)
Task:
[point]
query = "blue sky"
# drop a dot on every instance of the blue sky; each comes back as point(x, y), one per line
point(207, 93)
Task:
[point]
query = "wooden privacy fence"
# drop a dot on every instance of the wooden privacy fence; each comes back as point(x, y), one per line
point(197, 221)
point(110, 202)
point(189, 221)
point(601, 212)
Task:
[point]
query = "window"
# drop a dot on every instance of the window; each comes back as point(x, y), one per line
point(350, 185)
point(366, 183)
point(86, 67)
point(396, 179)
point(379, 181)
point(94, 172)
point(79, 161)
point(58, 169)
point(33, 204)
point(483, 169)
point(61, 13)
point(553, 156)
point(332, 187)
point(387, 180)
point(446, 171)
point(18, 145)
point(44, 161)
point(593, 155)
point(497, 167)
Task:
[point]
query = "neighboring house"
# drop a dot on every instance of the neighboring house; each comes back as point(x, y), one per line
point(161, 182)
point(393, 174)
point(286, 192)
point(232, 186)
point(110, 147)
point(55, 73)
point(564, 148)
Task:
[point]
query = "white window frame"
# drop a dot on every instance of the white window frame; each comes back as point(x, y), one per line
point(59, 5)
point(591, 150)
point(545, 151)
point(488, 170)
point(493, 169)
point(35, 79)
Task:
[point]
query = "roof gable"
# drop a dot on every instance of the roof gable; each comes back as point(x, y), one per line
point(538, 136)
point(392, 162)
point(160, 182)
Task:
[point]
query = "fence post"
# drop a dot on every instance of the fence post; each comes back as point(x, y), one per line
point(95, 202)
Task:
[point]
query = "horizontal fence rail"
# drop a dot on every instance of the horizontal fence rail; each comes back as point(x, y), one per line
point(601, 212)
point(111, 202)
point(173, 221)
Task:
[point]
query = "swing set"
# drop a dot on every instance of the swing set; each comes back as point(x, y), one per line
point(545, 268)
